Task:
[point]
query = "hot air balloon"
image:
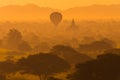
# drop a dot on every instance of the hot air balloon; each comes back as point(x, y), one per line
point(56, 18)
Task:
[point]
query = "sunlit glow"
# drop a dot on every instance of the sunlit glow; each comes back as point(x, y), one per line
point(59, 4)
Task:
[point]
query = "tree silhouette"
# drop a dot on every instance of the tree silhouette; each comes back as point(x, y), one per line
point(24, 46)
point(105, 67)
point(113, 51)
point(42, 47)
point(52, 78)
point(97, 46)
point(7, 67)
point(2, 77)
point(69, 54)
point(13, 39)
point(43, 65)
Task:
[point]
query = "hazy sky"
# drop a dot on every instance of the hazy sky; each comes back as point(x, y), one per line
point(59, 4)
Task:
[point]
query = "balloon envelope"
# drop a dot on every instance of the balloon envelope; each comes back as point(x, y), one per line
point(56, 18)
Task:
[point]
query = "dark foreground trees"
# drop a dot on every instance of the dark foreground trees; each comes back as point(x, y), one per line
point(42, 65)
point(2, 77)
point(97, 47)
point(7, 67)
point(105, 67)
point(70, 54)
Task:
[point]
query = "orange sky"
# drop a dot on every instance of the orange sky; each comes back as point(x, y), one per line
point(59, 4)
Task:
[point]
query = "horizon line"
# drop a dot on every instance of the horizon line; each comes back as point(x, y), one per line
point(33, 4)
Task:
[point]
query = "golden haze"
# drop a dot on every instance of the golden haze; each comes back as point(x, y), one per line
point(59, 4)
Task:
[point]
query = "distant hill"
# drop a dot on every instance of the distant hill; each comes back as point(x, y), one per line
point(94, 12)
point(33, 12)
point(29, 12)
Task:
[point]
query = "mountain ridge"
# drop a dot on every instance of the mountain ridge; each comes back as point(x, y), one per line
point(32, 12)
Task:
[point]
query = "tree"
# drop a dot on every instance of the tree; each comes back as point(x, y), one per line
point(52, 78)
point(97, 47)
point(42, 65)
point(7, 67)
point(24, 46)
point(69, 54)
point(105, 67)
point(13, 39)
point(113, 51)
point(2, 77)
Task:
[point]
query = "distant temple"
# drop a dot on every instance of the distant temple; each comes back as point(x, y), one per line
point(73, 31)
point(73, 25)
